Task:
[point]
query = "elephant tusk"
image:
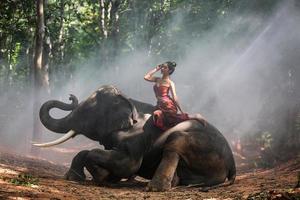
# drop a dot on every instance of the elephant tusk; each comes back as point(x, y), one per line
point(60, 140)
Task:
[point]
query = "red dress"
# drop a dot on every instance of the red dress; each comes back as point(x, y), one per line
point(166, 115)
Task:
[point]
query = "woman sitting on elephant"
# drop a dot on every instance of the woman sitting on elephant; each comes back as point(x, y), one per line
point(166, 115)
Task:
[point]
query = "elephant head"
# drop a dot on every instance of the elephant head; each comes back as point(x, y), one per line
point(105, 111)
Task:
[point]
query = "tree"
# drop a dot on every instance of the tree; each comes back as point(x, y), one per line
point(40, 78)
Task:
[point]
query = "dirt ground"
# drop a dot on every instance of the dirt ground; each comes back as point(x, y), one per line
point(31, 178)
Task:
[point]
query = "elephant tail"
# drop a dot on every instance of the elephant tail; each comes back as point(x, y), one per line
point(231, 175)
point(230, 180)
point(231, 168)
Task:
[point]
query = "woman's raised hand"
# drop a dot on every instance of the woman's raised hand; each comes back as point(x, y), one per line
point(158, 67)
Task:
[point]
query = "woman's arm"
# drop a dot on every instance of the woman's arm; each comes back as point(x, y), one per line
point(149, 76)
point(174, 95)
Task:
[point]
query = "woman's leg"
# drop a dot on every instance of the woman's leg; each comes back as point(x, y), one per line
point(158, 119)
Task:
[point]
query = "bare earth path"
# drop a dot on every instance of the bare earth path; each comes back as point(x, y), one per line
point(31, 178)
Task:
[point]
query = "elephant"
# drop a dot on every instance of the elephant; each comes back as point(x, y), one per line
point(189, 153)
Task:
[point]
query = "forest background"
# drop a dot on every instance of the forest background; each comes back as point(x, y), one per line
point(238, 63)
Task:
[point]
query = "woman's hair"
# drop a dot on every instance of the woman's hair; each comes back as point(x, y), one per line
point(171, 66)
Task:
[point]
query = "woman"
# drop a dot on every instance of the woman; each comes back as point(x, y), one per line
point(166, 115)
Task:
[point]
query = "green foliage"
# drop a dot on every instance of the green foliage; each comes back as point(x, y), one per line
point(16, 37)
point(25, 180)
point(75, 32)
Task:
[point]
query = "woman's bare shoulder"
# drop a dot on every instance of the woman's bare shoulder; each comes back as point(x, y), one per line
point(171, 83)
point(158, 80)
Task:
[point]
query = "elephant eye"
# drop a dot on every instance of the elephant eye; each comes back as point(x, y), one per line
point(117, 101)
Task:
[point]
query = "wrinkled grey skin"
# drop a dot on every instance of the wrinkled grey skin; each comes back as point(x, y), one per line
point(187, 154)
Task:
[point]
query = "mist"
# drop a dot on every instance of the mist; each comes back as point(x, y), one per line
point(228, 75)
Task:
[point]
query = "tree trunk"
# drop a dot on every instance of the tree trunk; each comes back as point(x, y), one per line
point(115, 27)
point(102, 25)
point(40, 74)
point(29, 61)
point(103, 32)
point(47, 54)
point(4, 62)
point(61, 31)
point(161, 16)
point(10, 64)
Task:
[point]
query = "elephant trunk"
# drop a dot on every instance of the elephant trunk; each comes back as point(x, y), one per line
point(57, 125)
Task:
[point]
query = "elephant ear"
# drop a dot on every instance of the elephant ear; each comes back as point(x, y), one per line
point(121, 114)
point(134, 113)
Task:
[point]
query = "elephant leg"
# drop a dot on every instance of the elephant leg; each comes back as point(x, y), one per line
point(164, 174)
point(110, 165)
point(98, 173)
point(76, 172)
point(175, 180)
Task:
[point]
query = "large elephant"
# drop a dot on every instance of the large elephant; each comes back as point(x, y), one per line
point(186, 154)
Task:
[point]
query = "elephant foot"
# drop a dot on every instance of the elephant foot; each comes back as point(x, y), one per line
point(110, 181)
point(158, 185)
point(204, 189)
point(99, 174)
point(99, 183)
point(175, 180)
point(73, 175)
